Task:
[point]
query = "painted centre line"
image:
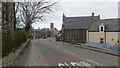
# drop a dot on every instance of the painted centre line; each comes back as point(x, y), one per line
point(69, 52)
point(94, 62)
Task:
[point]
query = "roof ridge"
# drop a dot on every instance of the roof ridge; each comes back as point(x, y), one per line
point(110, 18)
point(80, 16)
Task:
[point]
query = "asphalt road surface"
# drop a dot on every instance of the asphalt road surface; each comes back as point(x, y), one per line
point(47, 52)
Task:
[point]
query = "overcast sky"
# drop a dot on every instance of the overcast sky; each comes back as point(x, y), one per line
point(73, 8)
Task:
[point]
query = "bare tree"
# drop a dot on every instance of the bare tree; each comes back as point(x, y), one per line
point(30, 12)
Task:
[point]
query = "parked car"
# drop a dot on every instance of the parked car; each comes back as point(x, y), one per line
point(45, 37)
point(58, 37)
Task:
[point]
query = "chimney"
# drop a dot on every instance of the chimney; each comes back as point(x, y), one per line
point(98, 15)
point(93, 14)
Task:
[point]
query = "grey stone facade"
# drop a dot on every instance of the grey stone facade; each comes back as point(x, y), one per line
point(74, 29)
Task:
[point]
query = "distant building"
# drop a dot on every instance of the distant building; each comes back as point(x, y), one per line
point(54, 31)
point(90, 29)
point(51, 26)
point(37, 34)
point(44, 32)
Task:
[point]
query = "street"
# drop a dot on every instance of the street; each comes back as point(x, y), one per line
point(61, 33)
point(48, 52)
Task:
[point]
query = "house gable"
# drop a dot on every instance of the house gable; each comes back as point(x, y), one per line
point(111, 25)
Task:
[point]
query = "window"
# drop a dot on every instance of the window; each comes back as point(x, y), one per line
point(101, 40)
point(112, 39)
point(101, 29)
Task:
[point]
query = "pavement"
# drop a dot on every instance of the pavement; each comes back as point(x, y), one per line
point(30, 57)
point(101, 50)
point(48, 52)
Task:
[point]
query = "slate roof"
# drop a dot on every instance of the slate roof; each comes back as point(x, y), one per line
point(111, 25)
point(94, 27)
point(77, 22)
point(86, 22)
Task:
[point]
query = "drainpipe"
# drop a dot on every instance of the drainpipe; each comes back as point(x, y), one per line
point(88, 37)
point(105, 34)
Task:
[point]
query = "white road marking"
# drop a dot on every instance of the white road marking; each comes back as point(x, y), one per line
point(67, 65)
point(94, 62)
point(60, 65)
point(69, 52)
point(75, 64)
point(81, 63)
point(56, 46)
point(86, 64)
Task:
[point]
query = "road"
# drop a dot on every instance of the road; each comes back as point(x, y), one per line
point(47, 52)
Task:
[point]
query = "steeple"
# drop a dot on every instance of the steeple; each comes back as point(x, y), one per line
point(63, 17)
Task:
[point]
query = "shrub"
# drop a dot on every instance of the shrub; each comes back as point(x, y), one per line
point(11, 41)
point(21, 36)
point(7, 43)
point(25, 36)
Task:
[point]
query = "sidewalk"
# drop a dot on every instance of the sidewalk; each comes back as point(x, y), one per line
point(101, 50)
point(30, 57)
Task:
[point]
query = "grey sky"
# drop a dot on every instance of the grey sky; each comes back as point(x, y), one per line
point(107, 9)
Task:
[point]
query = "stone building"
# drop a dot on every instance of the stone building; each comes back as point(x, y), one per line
point(90, 29)
point(54, 31)
point(40, 33)
point(44, 32)
point(105, 31)
point(74, 29)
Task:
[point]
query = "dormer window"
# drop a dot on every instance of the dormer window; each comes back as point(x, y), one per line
point(102, 27)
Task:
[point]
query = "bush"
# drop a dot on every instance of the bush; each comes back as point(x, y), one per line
point(13, 40)
point(7, 44)
point(25, 36)
point(21, 36)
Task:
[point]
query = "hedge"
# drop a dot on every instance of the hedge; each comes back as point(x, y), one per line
point(13, 40)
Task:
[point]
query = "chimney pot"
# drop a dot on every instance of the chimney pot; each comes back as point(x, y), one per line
point(93, 14)
point(99, 15)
